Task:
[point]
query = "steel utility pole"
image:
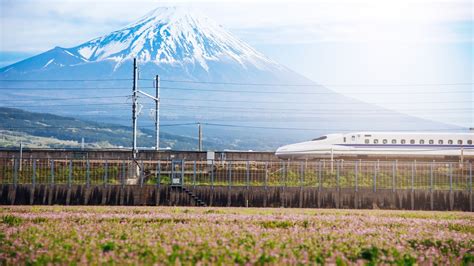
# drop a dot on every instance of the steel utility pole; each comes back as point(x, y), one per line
point(21, 153)
point(134, 108)
point(157, 113)
point(199, 137)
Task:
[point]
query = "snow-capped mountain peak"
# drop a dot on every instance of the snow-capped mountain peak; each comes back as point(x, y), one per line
point(172, 35)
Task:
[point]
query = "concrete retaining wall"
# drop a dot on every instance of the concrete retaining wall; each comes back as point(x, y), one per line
point(117, 154)
point(293, 197)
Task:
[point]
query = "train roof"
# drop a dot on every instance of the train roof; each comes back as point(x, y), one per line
point(431, 133)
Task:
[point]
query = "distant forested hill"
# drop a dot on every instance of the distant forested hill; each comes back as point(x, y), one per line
point(69, 131)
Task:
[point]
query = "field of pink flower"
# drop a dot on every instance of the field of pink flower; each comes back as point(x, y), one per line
point(187, 235)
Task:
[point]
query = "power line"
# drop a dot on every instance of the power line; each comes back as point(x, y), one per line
point(308, 93)
point(245, 84)
point(293, 102)
point(66, 99)
point(330, 113)
point(293, 128)
point(68, 88)
point(214, 100)
point(60, 105)
point(293, 109)
point(55, 127)
point(62, 80)
point(118, 127)
point(243, 126)
point(237, 91)
point(226, 101)
point(242, 108)
point(173, 125)
point(297, 117)
point(293, 115)
point(317, 85)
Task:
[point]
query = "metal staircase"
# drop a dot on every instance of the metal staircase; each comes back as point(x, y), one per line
point(177, 178)
point(194, 197)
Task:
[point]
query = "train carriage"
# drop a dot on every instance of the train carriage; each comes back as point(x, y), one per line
point(383, 144)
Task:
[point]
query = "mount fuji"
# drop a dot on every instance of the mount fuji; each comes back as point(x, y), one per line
point(170, 41)
point(208, 75)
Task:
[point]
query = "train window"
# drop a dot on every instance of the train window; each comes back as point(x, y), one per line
point(459, 142)
point(431, 141)
point(403, 141)
point(353, 138)
point(367, 141)
point(344, 139)
point(422, 141)
point(440, 141)
point(376, 141)
point(412, 141)
point(469, 142)
point(450, 141)
point(394, 141)
point(320, 138)
point(385, 141)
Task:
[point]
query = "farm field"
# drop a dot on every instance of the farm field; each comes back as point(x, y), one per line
point(189, 235)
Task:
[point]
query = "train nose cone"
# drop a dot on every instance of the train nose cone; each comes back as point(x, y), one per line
point(282, 151)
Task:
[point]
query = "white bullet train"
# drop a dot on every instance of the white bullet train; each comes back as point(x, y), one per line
point(383, 144)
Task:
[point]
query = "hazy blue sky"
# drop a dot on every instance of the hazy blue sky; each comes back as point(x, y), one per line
point(351, 46)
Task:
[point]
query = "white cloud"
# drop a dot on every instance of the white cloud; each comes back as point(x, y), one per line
point(34, 26)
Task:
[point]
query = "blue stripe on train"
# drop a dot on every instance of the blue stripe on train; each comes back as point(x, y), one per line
point(408, 145)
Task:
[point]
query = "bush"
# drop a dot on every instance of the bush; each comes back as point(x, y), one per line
point(108, 246)
point(11, 220)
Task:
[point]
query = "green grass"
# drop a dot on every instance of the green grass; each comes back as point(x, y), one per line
point(223, 236)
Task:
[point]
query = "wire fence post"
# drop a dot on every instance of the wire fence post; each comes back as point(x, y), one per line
point(320, 174)
point(356, 175)
point(52, 172)
point(194, 174)
point(337, 175)
point(375, 177)
point(88, 173)
point(248, 175)
point(450, 177)
point(158, 174)
point(122, 176)
point(15, 172)
point(142, 174)
point(393, 175)
point(212, 174)
point(106, 172)
point(183, 176)
point(470, 177)
point(33, 176)
point(69, 177)
point(230, 173)
point(431, 176)
point(301, 174)
point(266, 175)
point(413, 169)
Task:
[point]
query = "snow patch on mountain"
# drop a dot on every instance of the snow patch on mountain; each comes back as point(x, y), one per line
point(49, 62)
point(173, 36)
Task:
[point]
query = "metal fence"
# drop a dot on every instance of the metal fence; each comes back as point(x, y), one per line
point(358, 174)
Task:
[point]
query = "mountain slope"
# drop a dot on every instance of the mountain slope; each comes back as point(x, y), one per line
point(168, 38)
point(60, 131)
